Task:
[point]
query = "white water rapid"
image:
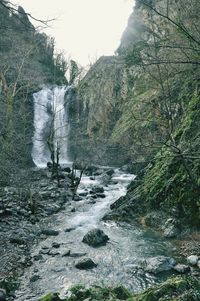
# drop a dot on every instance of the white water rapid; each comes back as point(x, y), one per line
point(51, 124)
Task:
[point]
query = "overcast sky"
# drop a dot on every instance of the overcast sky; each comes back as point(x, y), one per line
point(84, 29)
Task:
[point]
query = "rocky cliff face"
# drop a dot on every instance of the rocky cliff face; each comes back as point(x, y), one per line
point(96, 107)
point(141, 106)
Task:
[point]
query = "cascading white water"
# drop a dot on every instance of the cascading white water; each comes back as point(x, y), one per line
point(51, 124)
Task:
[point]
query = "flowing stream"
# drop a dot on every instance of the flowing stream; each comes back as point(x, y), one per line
point(117, 261)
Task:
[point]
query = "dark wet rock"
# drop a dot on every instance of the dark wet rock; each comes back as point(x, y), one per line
point(55, 245)
point(66, 253)
point(110, 172)
point(17, 240)
point(94, 196)
point(85, 264)
point(97, 189)
point(69, 229)
point(3, 294)
point(50, 232)
point(181, 268)
point(73, 209)
point(34, 278)
point(37, 257)
point(192, 259)
point(115, 182)
point(158, 264)
point(92, 178)
point(95, 238)
point(101, 195)
point(77, 198)
point(92, 202)
point(66, 169)
point(83, 194)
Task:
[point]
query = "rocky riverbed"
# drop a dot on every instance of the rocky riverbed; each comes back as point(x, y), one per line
point(51, 242)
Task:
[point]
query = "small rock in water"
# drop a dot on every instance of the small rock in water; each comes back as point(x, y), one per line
point(83, 194)
point(101, 195)
point(37, 257)
point(53, 253)
point(192, 260)
point(17, 240)
point(110, 172)
point(97, 189)
point(95, 238)
point(182, 268)
point(69, 229)
point(158, 264)
point(50, 232)
point(55, 245)
point(85, 264)
point(34, 278)
point(66, 253)
point(77, 198)
point(73, 209)
point(77, 254)
point(44, 251)
point(3, 294)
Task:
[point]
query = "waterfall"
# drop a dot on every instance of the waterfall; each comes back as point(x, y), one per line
point(51, 125)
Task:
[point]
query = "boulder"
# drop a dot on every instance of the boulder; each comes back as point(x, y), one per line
point(95, 238)
point(110, 172)
point(55, 245)
point(53, 253)
point(97, 189)
point(158, 264)
point(50, 232)
point(34, 278)
point(101, 195)
point(85, 264)
point(171, 228)
point(192, 260)
point(182, 268)
point(66, 253)
point(69, 229)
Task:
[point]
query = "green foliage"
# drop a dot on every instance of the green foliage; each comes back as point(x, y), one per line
point(166, 183)
point(184, 288)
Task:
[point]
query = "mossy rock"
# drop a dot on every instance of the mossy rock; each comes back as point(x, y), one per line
point(177, 288)
point(186, 288)
point(50, 297)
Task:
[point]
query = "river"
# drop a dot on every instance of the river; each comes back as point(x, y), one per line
point(117, 262)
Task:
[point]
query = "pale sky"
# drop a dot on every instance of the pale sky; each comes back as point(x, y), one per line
point(84, 29)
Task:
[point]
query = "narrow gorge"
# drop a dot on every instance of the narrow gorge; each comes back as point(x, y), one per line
point(100, 170)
